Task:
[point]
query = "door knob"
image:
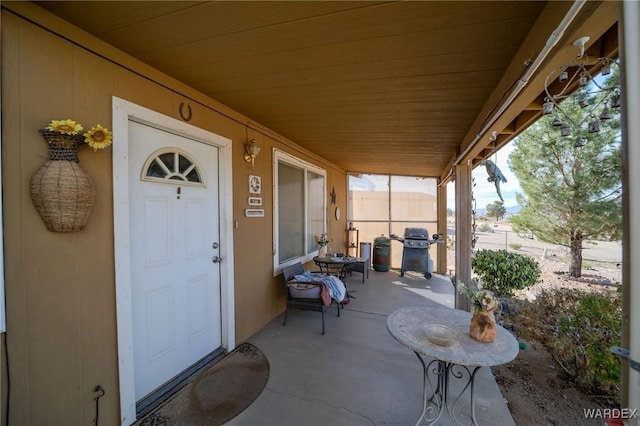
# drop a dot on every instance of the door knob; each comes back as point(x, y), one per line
point(216, 259)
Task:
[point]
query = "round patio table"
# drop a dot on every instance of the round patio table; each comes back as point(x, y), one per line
point(462, 358)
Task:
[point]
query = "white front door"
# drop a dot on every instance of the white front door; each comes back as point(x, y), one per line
point(174, 235)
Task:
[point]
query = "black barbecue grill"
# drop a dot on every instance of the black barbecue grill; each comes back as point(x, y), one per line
point(415, 253)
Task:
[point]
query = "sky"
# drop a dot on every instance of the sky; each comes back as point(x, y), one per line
point(484, 191)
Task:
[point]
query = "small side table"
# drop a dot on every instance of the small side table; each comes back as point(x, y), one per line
point(464, 356)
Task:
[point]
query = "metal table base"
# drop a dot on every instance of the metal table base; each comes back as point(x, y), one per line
point(438, 402)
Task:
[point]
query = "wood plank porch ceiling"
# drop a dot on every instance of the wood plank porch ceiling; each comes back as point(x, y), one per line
point(374, 87)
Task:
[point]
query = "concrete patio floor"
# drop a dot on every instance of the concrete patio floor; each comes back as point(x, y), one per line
point(357, 373)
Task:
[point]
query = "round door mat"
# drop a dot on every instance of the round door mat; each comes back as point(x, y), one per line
point(217, 393)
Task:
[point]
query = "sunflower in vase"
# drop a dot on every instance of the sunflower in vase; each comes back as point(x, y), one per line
point(64, 127)
point(63, 132)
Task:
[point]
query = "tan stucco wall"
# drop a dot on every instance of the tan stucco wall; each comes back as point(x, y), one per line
point(60, 288)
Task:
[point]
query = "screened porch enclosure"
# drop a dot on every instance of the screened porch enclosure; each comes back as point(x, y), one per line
point(384, 205)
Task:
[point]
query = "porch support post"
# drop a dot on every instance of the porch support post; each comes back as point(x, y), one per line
point(463, 231)
point(629, 34)
point(441, 248)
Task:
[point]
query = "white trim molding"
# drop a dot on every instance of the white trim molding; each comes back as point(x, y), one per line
point(123, 112)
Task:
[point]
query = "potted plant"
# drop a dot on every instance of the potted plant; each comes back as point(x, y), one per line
point(323, 241)
point(483, 321)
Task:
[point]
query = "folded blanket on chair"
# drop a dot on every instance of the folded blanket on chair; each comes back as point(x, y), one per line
point(336, 288)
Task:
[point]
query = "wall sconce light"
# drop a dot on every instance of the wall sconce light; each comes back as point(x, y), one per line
point(251, 151)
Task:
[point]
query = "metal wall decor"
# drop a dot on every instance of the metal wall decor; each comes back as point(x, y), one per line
point(603, 92)
point(255, 184)
point(188, 115)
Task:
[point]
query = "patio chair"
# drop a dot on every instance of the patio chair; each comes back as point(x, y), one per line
point(304, 296)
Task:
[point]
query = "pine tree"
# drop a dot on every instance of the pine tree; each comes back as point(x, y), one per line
point(571, 194)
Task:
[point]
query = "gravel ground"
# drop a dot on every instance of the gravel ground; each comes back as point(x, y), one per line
point(601, 264)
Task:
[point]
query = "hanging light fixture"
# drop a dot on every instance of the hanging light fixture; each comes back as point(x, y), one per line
point(564, 75)
point(605, 114)
point(615, 100)
point(584, 79)
point(597, 96)
point(583, 101)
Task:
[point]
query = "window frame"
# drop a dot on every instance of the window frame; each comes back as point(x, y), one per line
point(167, 180)
point(286, 158)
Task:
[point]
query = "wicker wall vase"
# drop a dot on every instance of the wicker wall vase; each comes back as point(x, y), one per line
point(62, 190)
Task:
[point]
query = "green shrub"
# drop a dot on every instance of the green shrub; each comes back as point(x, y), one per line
point(503, 272)
point(485, 227)
point(578, 328)
point(598, 318)
point(515, 246)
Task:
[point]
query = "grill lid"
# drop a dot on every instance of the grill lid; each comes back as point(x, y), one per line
point(416, 233)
